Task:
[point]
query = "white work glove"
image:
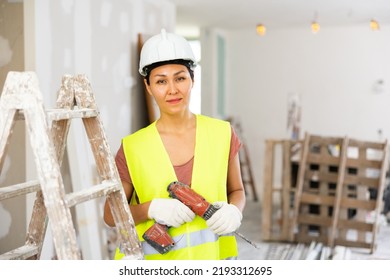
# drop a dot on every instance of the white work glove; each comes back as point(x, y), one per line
point(226, 220)
point(170, 212)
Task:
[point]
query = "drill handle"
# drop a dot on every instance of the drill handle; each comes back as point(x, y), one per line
point(192, 199)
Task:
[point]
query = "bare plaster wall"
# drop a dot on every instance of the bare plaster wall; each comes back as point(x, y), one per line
point(12, 211)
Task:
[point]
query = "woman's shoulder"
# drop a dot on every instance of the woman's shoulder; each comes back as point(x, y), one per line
point(213, 119)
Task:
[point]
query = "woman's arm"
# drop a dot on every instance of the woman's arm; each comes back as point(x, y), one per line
point(235, 186)
point(139, 212)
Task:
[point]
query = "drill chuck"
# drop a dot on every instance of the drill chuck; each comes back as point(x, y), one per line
point(209, 212)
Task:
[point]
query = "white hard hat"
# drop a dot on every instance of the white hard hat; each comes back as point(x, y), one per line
point(164, 47)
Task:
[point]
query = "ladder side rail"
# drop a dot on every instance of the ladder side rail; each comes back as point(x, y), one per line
point(6, 125)
point(39, 220)
point(299, 187)
point(60, 128)
point(105, 163)
point(124, 223)
point(8, 114)
point(37, 226)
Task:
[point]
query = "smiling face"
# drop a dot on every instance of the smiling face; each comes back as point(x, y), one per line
point(170, 85)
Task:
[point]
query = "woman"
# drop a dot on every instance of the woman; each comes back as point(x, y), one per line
point(196, 150)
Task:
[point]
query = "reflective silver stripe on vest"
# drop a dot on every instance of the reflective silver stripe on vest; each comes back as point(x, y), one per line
point(195, 238)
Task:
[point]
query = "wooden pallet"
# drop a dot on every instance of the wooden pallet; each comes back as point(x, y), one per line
point(340, 182)
point(359, 201)
point(21, 98)
point(319, 179)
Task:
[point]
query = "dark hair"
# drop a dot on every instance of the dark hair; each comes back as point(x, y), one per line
point(186, 63)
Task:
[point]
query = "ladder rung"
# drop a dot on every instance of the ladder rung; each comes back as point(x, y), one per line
point(65, 114)
point(21, 253)
point(19, 189)
point(93, 192)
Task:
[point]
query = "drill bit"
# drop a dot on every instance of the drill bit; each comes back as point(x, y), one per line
point(247, 240)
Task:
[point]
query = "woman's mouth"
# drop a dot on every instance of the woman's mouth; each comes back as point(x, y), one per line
point(174, 101)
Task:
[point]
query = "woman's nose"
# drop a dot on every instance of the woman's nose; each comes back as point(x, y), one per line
point(172, 88)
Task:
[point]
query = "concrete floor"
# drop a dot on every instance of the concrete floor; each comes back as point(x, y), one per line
point(251, 229)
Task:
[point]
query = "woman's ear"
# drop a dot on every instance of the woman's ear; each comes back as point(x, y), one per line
point(147, 87)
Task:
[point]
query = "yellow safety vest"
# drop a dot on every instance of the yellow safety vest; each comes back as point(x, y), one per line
point(151, 171)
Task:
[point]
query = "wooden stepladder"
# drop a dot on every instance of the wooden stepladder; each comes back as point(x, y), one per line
point(21, 96)
point(245, 163)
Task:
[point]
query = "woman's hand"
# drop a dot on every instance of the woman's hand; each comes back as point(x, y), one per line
point(226, 220)
point(170, 212)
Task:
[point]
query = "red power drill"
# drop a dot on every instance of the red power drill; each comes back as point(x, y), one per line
point(157, 235)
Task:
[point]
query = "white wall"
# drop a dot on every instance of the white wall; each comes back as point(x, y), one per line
point(210, 75)
point(208, 62)
point(333, 71)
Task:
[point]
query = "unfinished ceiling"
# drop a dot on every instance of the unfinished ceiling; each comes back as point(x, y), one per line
point(231, 14)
